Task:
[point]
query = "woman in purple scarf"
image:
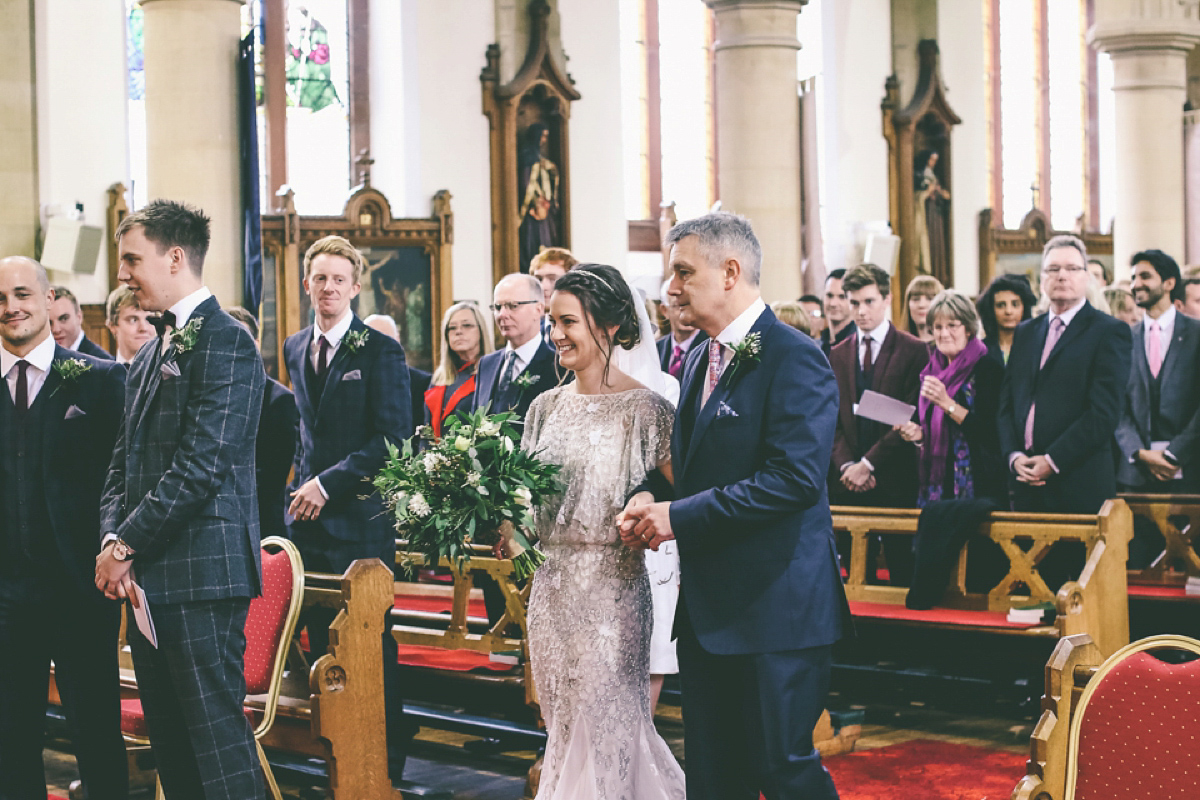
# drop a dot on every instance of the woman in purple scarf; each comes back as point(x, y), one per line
point(960, 392)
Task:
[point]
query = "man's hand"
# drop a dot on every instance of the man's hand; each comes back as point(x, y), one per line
point(1158, 465)
point(114, 578)
point(1032, 470)
point(858, 478)
point(651, 525)
point(307, 501)
point(626, 523)
point(910, 432)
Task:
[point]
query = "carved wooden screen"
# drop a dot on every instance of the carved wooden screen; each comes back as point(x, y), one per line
point(1019, 252)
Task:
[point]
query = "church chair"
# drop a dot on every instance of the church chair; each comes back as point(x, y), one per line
point(1135, 733)
point(270, 624)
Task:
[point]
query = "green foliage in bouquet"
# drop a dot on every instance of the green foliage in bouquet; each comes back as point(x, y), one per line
point(464, 487)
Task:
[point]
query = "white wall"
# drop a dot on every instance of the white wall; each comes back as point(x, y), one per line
point(960, 38)
point(858, 59)
point(82, 122)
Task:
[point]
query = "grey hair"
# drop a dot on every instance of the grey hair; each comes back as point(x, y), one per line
point(531, 283)
point(42, 278)
point(1065, 240)
point(953, 304)
point(719, 235)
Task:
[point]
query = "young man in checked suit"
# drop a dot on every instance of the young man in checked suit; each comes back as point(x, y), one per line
point(180, 509)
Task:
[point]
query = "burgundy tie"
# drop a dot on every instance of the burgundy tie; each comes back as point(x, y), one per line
point(676, 365)
point(21, 401)
point(868, 361)
point(323, 357)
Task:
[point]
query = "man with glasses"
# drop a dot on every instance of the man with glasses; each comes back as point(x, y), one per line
point(1061, 401)
point(510, 378)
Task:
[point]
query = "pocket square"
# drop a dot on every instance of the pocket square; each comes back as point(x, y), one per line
point(353, 375)
point(75, 411)
point(169, 369)
point(723, 410)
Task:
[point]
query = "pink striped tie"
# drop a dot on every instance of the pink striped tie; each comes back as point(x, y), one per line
point(1154, 349)
point(1057, 326)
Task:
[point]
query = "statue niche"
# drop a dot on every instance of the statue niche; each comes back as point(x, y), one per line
point(931, 199)
point(539, 177)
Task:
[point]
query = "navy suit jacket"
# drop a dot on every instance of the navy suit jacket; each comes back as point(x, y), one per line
point(1178, 407)
point(90, 348)
point(366, 403)
point(541, 369)
point(180, 488)
point(758, 564)
point(666, 346)
point(82, 418)
point(1079, 393)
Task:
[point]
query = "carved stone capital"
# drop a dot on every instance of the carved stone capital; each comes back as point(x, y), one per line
point(1145, 34)
point(756, 23)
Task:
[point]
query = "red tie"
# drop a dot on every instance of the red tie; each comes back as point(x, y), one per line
point(21, 401)
point(323, 357)
point(868, 361)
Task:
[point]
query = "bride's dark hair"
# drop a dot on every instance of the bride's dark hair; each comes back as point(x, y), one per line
point(607, 302)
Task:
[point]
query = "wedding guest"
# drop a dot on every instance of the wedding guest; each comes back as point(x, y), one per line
point(816, 313)
point(275, 447)
point(793, 314)
point(418, 379)
point(1189, 299)
point(128, 323)
point(839, 324)
point(59, 417)
point(917, 297)
point(548, 266)
point(466, 337)
point(509, 379)
point(673, 349)
point(1122, 306)
point(1098, 270)
point(66, 325)
point(1006, 303)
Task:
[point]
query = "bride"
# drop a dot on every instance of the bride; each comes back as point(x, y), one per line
point(590, 613)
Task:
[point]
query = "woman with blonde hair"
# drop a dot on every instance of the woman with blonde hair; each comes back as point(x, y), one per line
point(466, 337)
point(917, 297)
point(793, 314)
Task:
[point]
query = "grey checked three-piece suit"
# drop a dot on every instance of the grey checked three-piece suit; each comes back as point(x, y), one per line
point(181, 493)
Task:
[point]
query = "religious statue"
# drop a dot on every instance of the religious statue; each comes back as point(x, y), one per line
point(537, 184)
point(930, 213)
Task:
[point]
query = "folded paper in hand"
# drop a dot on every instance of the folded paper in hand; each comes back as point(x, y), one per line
point(141, 613)
point(881, 408)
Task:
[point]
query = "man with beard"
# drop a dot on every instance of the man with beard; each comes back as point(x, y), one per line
point(838, 323)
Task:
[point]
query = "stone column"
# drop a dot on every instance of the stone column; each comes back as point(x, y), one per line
point(191, 49)
point(1149, 44)
point(18, 133)
point(758, 130)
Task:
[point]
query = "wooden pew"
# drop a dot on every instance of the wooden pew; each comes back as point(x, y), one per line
point(1095, 604)
point(1177, 518)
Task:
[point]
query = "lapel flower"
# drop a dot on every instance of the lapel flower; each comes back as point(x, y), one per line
point(526, 381)
point(354, 340)
point(184, 339)
point(69, 370)
point(746, 353)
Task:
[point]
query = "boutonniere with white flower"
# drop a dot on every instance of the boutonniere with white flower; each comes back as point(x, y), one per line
point(746, 353)
point(354, 340)
point(69, 369)
point(184, 339)
point(526, 380)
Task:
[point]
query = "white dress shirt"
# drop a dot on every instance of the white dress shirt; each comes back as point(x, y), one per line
point(334, 336)
point(78, 341)
point(524, 354)
point(876, 337)
point(40, 358)
point(183, 310)
point(738, 330)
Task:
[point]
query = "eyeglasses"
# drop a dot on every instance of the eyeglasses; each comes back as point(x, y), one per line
point(1069, 270)
point(511, 307)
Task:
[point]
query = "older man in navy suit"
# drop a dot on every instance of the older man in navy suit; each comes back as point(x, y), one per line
point(353, 393)
point(761, 601)
point(59, 416)
point(180, 504)
point(509, 378)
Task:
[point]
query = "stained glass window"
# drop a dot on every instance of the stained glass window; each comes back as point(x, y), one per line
point(136, 103)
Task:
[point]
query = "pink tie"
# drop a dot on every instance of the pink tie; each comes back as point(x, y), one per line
point(1154, 349)
point(714, 368)
point(1057, 326)
point(676, 363)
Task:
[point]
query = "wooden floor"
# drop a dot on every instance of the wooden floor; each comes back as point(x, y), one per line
point(440, 760)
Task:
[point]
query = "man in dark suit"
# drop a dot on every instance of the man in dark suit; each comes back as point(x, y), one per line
point(180, 504)
point(418, 379)
point(66, 325)
point(839, 324)
point(509, 378)
point(129, 325)
point(673, 348)
point(59, 415)
point(1063, 391)
point(275, 447)
point(761, 600)
point(353, 394)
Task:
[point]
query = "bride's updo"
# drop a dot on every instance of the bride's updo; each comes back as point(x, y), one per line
point(607, 301)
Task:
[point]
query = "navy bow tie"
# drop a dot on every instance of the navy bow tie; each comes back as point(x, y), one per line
point(162, 322)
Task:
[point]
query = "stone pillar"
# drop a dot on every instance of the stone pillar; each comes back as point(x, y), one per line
point(758, 130)
point(192, 125)
point(18, 133)
point(1149, 45)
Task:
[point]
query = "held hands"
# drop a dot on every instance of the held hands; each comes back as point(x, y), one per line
point(910, 432)
point(858, 477)
point(1032, 470)
point(307, 501)
point(114, 578)
point(645, 523)
point(1158, 465)
point(934, 391)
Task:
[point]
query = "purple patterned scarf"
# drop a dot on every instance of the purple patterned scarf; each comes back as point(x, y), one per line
point(937, 440)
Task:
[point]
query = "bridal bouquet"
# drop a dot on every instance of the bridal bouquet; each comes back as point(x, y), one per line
point(467, 487)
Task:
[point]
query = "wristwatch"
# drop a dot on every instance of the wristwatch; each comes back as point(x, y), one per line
point(121, 551)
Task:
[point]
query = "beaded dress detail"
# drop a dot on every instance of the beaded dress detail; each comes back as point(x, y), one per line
point(590, 613)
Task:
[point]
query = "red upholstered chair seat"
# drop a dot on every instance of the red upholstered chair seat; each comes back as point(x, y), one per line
point(267, 620)
point(133, 721)
point(1139, 737)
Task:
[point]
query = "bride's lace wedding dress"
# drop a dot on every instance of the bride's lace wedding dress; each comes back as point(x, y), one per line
point(590, 615)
